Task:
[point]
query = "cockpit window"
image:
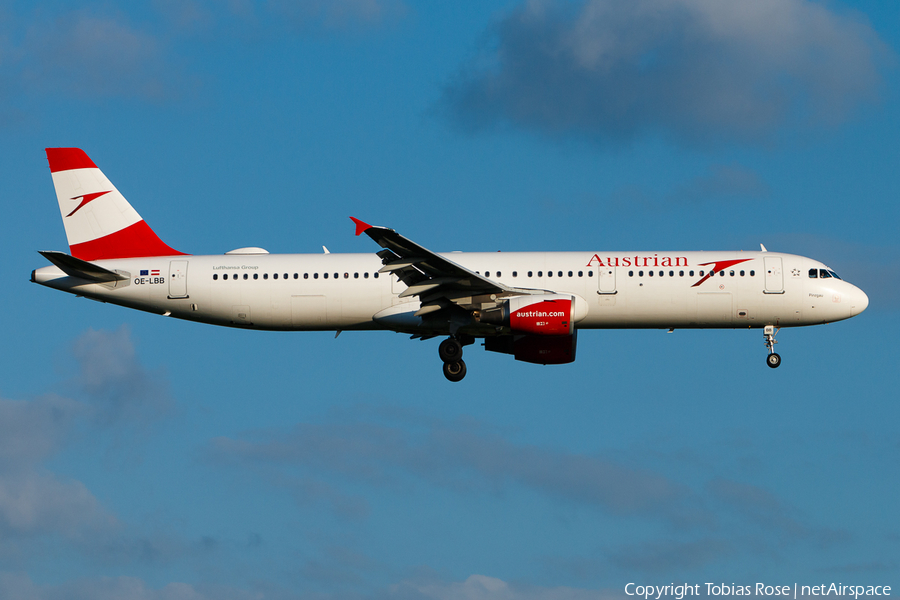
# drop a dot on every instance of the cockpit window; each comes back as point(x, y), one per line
point(823, 274)
point(835, 275)
point(813, 273)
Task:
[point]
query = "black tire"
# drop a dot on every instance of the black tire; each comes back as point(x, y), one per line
point(450, 350)
point(455, 371)
point(773, 360)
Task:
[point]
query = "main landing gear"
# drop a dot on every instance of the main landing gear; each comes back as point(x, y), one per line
point(451, 351)
point(773, 360)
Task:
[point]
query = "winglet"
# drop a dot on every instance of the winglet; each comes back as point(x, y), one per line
point(361, 227)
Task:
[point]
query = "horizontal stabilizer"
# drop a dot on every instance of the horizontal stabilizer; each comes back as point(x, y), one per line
point(75, 267)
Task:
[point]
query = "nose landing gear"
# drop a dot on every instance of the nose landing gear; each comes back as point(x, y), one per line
point(451, 351)
point(773, 360)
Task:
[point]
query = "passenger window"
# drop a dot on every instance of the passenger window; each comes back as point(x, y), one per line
point(671, 273)
point(515, 273)
point(256, 276)
point(570, 273)
point(306, 276)
point(487, 273)
point(215, 276)
point(752, 273)
point(274, 275)
point(813, 273)
point(742, 273)
point(296, 276)
point(691, 273)
point(315, 275)
point(529, 273)
point(549, 273)
point(375, 275)
point(560, 274)
point(245, 277)
point(225, 276)
point(631, 273)
point(731, 274)
point(540, 273)
point(285, 275)
point(580, 273)
point(325, 275)
point(356, 276)
point(701, 273)
point(335, 275)
point(265, 275)
point(498, 274)
point(650, 273)
point(681, 273)
point(661, 273)
point(590, 273)
point(346, 275)
point(366, 275)
point(640, 273)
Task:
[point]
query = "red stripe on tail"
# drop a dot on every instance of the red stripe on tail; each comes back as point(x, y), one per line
point(132, 242)
point(65, 159)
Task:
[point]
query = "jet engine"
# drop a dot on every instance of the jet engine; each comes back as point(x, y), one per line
point(542, 328)
point(541, 314)
point(537, 349)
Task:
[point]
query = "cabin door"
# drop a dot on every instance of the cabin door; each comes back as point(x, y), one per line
point(178, 279)
point(774, 275)
point(606, 280)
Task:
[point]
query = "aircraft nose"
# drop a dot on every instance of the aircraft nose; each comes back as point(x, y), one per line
point(859, 301)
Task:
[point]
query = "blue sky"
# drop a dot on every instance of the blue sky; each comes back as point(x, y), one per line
point(154, 459)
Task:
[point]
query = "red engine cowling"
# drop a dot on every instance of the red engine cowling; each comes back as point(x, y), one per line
point(538, 349)
point(540, 315)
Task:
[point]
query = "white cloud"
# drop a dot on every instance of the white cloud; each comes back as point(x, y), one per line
point(692, 70)
point(117, 386)
point(460, 457)
point(483, 587)
point(36, 503)
point(95, 56)
point(39, 503)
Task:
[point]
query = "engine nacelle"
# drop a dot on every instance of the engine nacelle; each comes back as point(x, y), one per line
point(538, 349)
point(545, 314)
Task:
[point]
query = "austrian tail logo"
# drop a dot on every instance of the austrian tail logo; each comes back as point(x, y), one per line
point(720, 265)
point(85, 199)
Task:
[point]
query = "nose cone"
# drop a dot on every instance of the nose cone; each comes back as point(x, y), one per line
point(858, 301)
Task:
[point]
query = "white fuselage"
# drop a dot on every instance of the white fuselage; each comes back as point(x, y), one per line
point(304, 292)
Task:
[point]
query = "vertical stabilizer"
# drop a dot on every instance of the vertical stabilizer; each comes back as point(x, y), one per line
point(99, 222)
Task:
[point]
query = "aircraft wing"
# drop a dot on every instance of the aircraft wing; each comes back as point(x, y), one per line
point(437, 281)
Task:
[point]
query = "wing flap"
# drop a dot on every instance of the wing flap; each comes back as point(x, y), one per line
point(423, 270)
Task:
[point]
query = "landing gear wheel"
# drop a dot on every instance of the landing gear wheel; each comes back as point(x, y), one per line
point(773, 360)
point(455, 371)
point(450, 351)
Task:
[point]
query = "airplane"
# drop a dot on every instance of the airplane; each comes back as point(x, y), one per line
point(527, 304)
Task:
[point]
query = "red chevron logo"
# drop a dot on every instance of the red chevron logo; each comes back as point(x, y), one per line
point(719, 266)
point(85, 199)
